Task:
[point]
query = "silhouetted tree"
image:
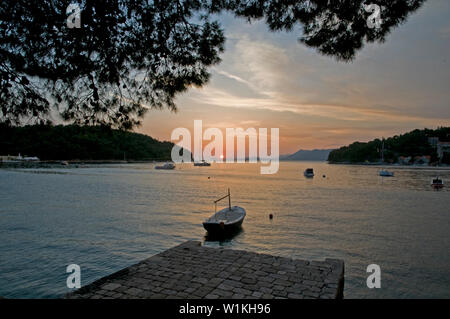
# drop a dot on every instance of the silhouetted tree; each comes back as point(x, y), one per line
point(132, 55)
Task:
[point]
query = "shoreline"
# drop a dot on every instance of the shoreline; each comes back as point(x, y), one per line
point(444, 167)
point(83, 163)
point(73, 163)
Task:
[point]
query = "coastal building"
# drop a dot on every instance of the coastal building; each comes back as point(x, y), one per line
point(18, 158)
point(9, 158)
point(443, 147)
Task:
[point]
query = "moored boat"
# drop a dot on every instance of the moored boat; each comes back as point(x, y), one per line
point(385, 173)
point(165, 166)
point(437, 183)
point(226, 221)
point(202, 163)
point(309, 172)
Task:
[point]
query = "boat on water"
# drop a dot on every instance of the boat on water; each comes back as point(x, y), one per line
point(165, 166)
point(226, 221)
point(309, 172)
point(437, 183)
point(202, 163)
point(386, 173)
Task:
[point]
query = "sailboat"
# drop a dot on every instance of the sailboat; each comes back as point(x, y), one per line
point(384, 172)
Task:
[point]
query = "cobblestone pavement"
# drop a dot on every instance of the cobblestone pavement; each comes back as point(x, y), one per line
point(192, 271)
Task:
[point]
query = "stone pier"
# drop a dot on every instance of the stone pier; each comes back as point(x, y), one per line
point(192, 271)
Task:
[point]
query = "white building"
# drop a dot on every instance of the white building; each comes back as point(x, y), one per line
point(443, 147)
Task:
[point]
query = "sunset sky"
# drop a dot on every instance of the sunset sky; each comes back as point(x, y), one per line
point(270, 80)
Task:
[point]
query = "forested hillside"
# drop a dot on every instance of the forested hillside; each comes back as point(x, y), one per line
point(73, 142)
point(414, 143)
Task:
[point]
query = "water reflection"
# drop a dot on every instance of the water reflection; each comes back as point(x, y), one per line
point(223, 237)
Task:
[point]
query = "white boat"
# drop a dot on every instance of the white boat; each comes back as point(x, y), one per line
point(309, 172)
point(165, 166)
point(226, 221)
point(385, 173)
point(202, 163)
point(31, 159)
point(437, 183)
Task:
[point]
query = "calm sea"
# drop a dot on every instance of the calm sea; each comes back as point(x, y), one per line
point(105, 218)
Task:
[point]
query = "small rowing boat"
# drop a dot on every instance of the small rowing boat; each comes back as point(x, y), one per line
point(226, 221)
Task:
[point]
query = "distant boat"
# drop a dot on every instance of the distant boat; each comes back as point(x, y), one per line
point(65, 163)
point(30, 159)
point(226, 221)
point(385, 173)
point(309, 172)
point(437, 183)
point(165, 166)
point(202, 163)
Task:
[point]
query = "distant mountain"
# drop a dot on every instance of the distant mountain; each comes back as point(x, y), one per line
point(307, 155)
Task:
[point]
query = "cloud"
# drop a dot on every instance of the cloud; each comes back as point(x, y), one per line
point(290, 79)
point(275, 103)
point(234, 77)
point(268, 79)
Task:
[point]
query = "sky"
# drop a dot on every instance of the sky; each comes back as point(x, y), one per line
point(270, 80)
